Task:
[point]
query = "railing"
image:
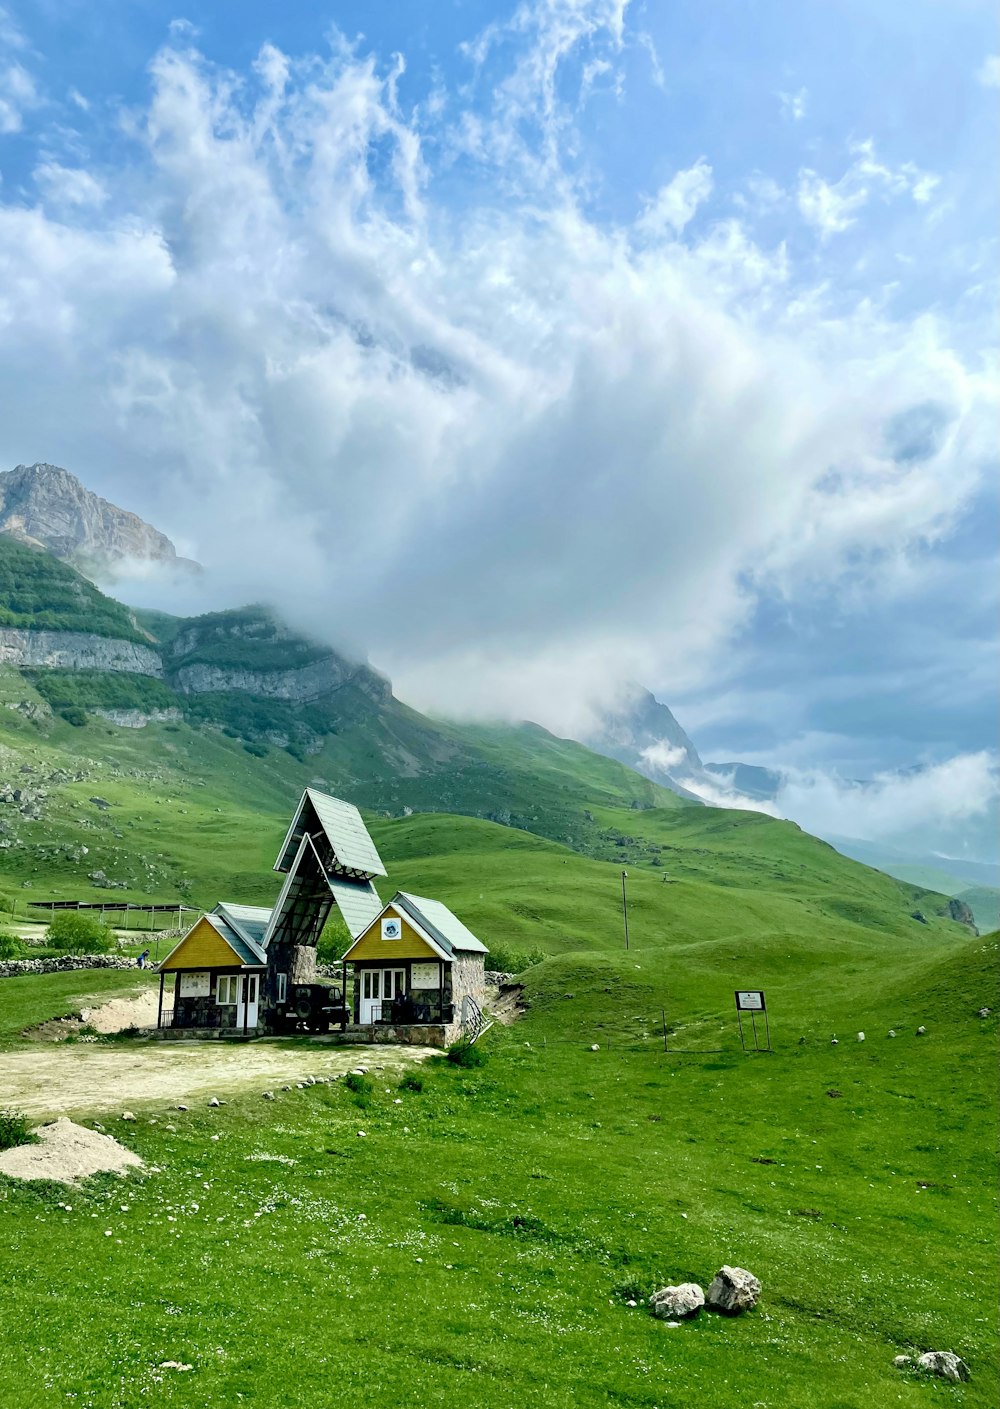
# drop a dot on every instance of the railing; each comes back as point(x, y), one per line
point(474, 1020)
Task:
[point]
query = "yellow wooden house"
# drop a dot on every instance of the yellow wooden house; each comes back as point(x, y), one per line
point(212, 978)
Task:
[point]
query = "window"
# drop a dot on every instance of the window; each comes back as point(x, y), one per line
point(282, 987)
point(226, 988)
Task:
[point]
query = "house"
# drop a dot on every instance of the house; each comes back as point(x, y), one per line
point(418, 972)
point(215, 972)
point(417, 963)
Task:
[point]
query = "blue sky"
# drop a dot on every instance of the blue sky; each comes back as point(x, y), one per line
point(537, 347)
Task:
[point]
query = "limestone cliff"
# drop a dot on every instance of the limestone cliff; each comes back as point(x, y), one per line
point(48, 507)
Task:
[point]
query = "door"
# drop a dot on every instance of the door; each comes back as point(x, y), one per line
point(378, 988)
point(247, 1002)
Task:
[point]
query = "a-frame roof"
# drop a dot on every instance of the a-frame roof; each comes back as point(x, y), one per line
point(244, 950)
point(249, 921)
point(337, 828)
point(309, 894)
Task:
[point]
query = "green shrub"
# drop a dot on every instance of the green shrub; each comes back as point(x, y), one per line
point(411, 1082)
point(74, 715)
point(76, 932)
point(465, 1054)
point(258, 750)
point(11, 946)
point(15, 1129)
point(360, 1085)
point(502, 959)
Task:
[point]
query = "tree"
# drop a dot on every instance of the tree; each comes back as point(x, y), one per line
point(75, 932)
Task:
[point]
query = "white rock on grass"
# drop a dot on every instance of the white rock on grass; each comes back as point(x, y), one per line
point(892, 1032)
point(733, 1291)
point(671, 1303)
point(921, 1031)
point(861, 1037)
point(214, 1101)
point(595, 1047)
point(128, 1115)
point(901, 1362)
point(944, 1363)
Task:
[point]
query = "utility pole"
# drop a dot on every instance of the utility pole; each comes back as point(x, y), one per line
point(625, 906)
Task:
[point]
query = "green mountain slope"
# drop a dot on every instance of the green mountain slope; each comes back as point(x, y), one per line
point(39, 593)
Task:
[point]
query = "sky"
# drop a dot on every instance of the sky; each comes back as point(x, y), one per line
point(536, 348)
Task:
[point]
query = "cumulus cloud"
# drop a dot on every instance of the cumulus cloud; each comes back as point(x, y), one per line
point(515, 452)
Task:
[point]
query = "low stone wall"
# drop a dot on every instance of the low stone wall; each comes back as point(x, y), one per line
point(66, 963)
point(420, 1035)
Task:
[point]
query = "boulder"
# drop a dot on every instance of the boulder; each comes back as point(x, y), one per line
point(944, 1363)
point(902, 1362)
point(733, 1291)
point(672, 1303)
point(861, 1037)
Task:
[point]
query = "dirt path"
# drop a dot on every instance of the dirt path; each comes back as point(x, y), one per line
point(63, 1079)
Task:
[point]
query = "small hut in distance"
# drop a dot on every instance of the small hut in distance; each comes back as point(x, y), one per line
point(418, 972)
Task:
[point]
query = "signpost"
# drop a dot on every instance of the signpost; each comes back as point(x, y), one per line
point(751, 1000)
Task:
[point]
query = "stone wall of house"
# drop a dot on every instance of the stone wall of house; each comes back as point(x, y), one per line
point(302, 964)
point(468, 978)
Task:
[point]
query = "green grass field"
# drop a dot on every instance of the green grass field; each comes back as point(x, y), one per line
point(480, 1244)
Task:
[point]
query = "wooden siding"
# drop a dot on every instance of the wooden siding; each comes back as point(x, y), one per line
point(202, 948)
point(370, 945)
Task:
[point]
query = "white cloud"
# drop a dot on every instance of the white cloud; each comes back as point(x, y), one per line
point(988, 73)
point(517, 454)
point(69, 186)
point(832, 207)
point(666, 756)
point(793, 105)
point(18, 95)
point(676, 203)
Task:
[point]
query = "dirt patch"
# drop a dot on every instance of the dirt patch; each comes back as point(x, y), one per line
point(117, 1015)
point(62, 1078)
point(508, 1004)
point(67, 1152)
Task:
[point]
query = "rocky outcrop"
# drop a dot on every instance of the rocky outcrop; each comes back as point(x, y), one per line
point(958, 910)
point(137, 718)
point(644, 735)
point(310, 682)
point(76, 650)
point(944, 1363)
point(49, 508)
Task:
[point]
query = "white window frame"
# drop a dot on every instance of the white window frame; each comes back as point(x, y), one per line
point(230, 985)
point(282, 988)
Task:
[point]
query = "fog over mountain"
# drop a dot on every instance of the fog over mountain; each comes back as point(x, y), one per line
point(535, 362)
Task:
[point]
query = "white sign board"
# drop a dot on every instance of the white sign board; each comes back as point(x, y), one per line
point(750, 1000)
point(392, 928)
point(196, 985)
point(425, 976)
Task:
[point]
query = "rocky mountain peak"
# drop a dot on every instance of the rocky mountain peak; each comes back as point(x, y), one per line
point(46, 506)
point(643, 733)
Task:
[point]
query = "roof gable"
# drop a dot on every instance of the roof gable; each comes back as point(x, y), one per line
point(435, 917)
point(339, 833)
point(210, 943)
point(362, 947)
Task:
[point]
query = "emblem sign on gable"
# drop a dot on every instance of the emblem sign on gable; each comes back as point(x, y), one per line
point(392, 928)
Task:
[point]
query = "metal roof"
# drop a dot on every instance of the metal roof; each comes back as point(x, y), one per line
point(245, 950)
point(341, 824)
point(442, 925)
point(358, 902)
point(249, 921)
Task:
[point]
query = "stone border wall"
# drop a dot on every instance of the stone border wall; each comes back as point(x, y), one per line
point(66, 963)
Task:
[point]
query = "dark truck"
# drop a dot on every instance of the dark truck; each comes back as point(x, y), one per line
point(315, 1007)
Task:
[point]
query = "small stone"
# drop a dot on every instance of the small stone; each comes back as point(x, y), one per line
point(861, 1037)
point(182, 1108)
point(631, 1303)
point(922, 1032)
point(171, 1128)
point(595, 1047)
point(267, 1095)
point(128, 1115)
point(944, 1363)
point(984, 1012)
point(669, 1303)
point(173, 1365)
point(362, 1135)
point(214, 1101)
point(892, 1032)
point(213, 1137)
point(834, 1042)
point(902, 1361)
point(733, 1290)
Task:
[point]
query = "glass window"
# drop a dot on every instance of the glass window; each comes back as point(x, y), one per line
point(282, 987)
point(225, 989)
